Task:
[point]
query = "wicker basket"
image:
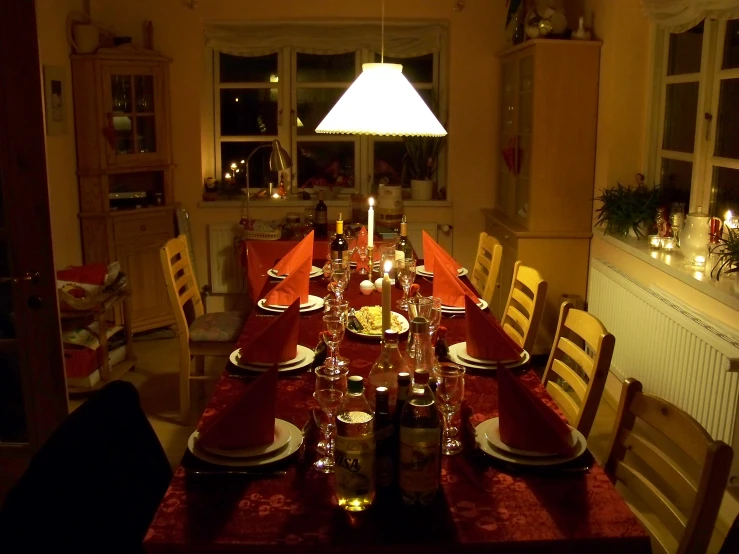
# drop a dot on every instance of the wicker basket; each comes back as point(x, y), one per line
point(263, 235)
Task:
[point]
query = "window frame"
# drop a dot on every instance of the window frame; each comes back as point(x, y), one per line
point(709, 87)
point(288, 86)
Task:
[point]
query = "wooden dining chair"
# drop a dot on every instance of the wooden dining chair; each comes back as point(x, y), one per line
point(583, 371)
point(525, 306)
point(484, 275)
point(200, 334)
point(669, 470)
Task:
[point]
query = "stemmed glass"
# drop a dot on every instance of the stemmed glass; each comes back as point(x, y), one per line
point(449, 396)
point(340, 309)
point(434, 318)
point(406, 274)
point(362, 268)
point(340, 275)
point(330, 389)
point(334, 325)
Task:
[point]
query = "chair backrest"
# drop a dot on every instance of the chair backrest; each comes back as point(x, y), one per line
point(487, 265)
point(584, 371)
point(182, 285)
point(669, 470)
point(525, 306)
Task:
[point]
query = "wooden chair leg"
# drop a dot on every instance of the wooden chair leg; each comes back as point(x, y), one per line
point(184, 384)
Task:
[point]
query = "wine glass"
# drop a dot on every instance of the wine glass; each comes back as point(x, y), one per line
point(362, 268)
point(334, 325)
point(340, 275)
point(406, 274)
point(330, 389)
point(449, 396)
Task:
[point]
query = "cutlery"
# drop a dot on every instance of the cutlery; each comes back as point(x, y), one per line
point(355, 324)
point(255, 473)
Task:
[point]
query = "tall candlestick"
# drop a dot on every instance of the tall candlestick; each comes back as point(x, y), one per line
point(386, 297)
point(371, 225)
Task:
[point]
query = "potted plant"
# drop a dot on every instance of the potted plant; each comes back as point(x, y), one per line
point(420, 163)
point(624, 209)
point(727, 253)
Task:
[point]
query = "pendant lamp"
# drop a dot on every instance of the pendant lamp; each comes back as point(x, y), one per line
point(382, 102)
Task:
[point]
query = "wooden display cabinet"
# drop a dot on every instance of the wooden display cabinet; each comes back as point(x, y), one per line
point(125, 170)
point(543, 211)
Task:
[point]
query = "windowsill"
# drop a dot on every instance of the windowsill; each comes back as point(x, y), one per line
point(725, 291)
point(340, 202)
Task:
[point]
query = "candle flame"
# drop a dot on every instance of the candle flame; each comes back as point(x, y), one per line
point(388, 266)
point(227, 175)
point(371, 201)
point(728, 215)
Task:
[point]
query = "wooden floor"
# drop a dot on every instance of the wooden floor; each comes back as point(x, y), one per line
point(156, 378)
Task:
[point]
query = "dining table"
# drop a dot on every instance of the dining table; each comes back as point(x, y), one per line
point(481, 506)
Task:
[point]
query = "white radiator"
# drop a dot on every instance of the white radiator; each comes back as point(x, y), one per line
point(224, 270)
point(675, 354)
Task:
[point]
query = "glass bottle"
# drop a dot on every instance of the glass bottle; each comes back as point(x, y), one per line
point(320, 221)
point(419, 344)
point(385, 370)
point(355, 450)
point(385, 443)
point(420, 443)
point(403, 249)
point(339, 246)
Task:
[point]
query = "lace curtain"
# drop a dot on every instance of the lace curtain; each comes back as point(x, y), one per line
point(680, 15)
point(252, 39)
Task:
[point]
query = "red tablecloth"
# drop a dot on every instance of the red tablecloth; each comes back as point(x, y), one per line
point(481, 505)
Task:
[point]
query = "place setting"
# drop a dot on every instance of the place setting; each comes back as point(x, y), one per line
point(487, 345)
point(224, 440)
point(452, 291)
point(294, 259)
point(294, 286)
point(434, 253)
point(528, 434)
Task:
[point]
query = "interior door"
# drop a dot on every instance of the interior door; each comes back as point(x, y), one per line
point(33, 397)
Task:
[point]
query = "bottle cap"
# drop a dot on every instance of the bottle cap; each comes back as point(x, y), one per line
point(339, 226)
point(420, 376)
point(356, 385)
point(380, 391)
point(390, 335)
point(419, 325)
point(404, 378)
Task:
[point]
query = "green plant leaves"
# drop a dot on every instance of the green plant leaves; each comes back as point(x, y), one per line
point(624, 208)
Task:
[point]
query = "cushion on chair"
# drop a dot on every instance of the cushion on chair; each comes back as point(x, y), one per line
point(217, 327)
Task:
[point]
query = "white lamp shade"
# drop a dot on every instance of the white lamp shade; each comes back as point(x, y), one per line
point(382, 102)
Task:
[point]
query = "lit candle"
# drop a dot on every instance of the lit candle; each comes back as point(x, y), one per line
point(227, 175)
point(655, 242)
point(669, 244)
point(371, 224)
point(700, 262)
point(386, 296)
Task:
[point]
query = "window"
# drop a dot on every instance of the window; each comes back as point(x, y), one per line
point(253, 96)
point(695, 136)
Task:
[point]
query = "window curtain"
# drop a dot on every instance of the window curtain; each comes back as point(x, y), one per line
point(677, 16)
point(252, 39)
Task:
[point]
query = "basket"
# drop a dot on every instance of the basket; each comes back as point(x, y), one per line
point(262, 235)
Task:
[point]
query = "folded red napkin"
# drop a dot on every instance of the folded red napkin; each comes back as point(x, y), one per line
point(450, 288)
point(526, 422)
point(294, 259)
point(277, 342)
point(89, 274)
point(432, 252)
point(248, 421)
point(486, 339)
point(291, 287)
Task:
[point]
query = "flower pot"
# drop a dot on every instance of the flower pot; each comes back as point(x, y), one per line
point(422, 190)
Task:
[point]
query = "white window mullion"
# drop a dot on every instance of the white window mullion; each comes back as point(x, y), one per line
point(662, 103)
point(700, 193)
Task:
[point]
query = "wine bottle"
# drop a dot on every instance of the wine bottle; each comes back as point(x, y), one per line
point(320, 220)
point(420, 443)
point(385, 444)
point(403, 249)
point(355, 450)
point(339, 246)
point(387, 367)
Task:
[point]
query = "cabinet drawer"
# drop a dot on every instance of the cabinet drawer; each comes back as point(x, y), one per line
point(125, 229)
point(504, 235)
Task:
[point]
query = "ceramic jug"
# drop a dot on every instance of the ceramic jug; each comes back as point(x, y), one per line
point(81, 34)
point(695, 235)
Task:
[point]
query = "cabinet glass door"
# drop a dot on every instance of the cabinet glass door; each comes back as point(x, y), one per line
point(525, 92)
point(506, 177)
point(134, 114)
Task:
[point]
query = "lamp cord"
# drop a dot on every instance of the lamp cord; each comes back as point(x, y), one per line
point(382, 37)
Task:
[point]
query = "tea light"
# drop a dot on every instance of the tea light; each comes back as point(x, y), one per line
point(655, 242)
point(669, 244)
point(699, 262)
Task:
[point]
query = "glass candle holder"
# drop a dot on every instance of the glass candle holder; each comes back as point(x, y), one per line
point(669, 244)
point(699, 262)
point(655, 242)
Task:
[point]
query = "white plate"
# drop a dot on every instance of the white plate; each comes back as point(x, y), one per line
point(305, 353)
point(314, 303)
point(296, 439)
point(457, 310)
point(403, 322)
point(492, 433)
point(299, 357)
point(421, 270)
point(282, 437)
point(461, 351)
point(487, 448)
point(314, 272)
point(454, 356)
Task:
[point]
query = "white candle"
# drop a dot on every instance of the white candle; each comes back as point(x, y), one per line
point(371, 224)
point(386, 297)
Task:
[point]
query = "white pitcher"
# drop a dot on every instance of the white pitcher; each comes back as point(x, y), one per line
point(695, 235)
point(81, 34)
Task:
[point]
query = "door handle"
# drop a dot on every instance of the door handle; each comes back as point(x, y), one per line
point(28, 277)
